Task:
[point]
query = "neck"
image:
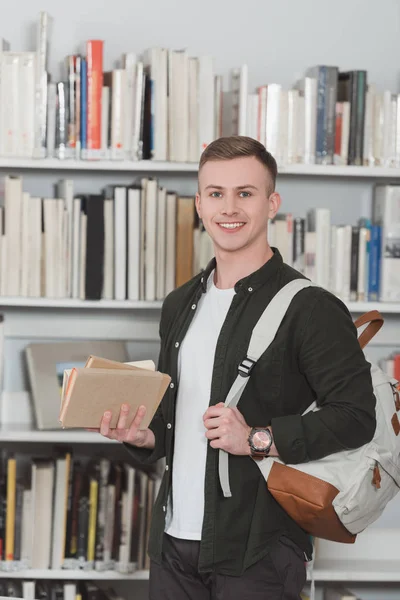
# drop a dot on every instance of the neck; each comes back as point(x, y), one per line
point(233, 266)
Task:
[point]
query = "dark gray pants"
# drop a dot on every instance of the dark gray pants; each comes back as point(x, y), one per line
point(281, 575)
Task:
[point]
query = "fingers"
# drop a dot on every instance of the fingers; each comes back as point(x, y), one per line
point(213, 434)
point(214, 411)
point(214, 422)
point(105, 424)
point(123, 417)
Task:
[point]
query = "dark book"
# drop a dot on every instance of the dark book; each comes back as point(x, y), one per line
point(18, 520)
point(326, 77)
point(119, 484)
point(298, 244)
point(352, 87)
point(104, 473)
point(355, 240)
point(148, 124)
point(83, 519)
point(94, 247)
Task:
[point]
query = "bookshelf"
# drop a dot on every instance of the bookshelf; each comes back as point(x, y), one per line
point(74, 575)
point(180, 168)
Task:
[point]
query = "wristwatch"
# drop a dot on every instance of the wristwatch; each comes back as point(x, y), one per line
point(260, 442)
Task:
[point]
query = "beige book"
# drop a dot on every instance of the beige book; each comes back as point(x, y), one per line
point(89, 392)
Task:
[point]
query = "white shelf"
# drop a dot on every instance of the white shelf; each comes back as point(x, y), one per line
point(18, 433)
point(358, 571)
point(54, 164)
point(69, 303)
point(80, 304)
point(70, 575)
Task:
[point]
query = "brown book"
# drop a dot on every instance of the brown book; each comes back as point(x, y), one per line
point(89, 392)
point(184, 240)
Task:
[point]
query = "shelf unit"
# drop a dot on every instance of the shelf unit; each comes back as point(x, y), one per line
point(74, 575)
point(143, 316)
point(151, 166)
point(69, 303)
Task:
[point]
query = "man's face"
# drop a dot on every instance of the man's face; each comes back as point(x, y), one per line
point(235, 202)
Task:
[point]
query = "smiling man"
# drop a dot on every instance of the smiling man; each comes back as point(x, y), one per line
point(203, 545)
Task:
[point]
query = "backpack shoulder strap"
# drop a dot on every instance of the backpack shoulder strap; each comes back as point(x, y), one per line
point(263, 334)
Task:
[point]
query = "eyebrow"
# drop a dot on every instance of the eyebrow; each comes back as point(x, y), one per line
point(239, 187)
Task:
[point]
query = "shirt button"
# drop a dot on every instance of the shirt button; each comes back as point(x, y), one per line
point(171, 385)
point(193, 306)
point(250, 289)
point(164, 508)
point(166, 467)
point(176, 344)
point(169, 426)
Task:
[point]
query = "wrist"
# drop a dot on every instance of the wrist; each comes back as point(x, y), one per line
point(145, 439)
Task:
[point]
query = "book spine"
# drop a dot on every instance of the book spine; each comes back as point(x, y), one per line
point(83, 104)
point(94, 93)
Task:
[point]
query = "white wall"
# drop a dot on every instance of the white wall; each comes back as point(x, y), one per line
point(277, 39)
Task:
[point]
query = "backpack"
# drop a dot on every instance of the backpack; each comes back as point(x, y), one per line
point(338, 496)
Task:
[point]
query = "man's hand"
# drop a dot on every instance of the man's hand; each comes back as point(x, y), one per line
point(227, 429)
point(131, 435)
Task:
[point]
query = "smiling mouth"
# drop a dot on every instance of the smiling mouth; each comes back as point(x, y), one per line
point(232, 226)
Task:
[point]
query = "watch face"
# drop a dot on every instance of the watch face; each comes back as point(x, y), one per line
point(261, 440)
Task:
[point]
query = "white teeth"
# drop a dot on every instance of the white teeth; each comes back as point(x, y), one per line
point(231, 225)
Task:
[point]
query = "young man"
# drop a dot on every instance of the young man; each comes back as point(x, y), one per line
point(205, 546)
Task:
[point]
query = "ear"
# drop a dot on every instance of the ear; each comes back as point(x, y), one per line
point(274, 204)
point(198, 204)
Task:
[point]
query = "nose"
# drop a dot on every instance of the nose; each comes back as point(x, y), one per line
point(230, 205)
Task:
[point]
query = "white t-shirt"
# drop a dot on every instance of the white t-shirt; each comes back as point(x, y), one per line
point(195, 367)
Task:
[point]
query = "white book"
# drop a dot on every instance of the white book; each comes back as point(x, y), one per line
point(151, 239)
point(13, 230)
point(178, 84)
point(105, 117)
point(65, 191)
point(108, 281)
point(76, 248)
point(4, 265)
point(28, 590)
point(42, 504)
point(27, 527)
point(43, 34)
point(25, 245)
point(346, 263)
point(193, 141)
point(217, 106)
point(62, 467)
point(129, 63)
point(70, 590)
point(283, 132)
point(262, 115)
point(134, 242)
point(252, 116)
point(362, 289)
point(118, 90)
point(239, 87)
point(120, 256)
point(51, 229)
point(170, 243)
point(27, 104)
point(35, 222)
point(161, 243)
point(82, 257)
point(51, 119)
point(368, 151)
point(292, 156)
point(10, 126)
point(322, 256)
point(206, 102)
point(274, 91)
point(308, 90)
point(387, 130)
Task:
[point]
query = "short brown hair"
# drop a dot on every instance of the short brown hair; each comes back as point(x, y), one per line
point(236, 146)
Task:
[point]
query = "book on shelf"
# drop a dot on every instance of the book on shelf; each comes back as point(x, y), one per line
point(57, 590)
point(163, 104)
point(358, 262)
point(102, 385)
point(74, 512)
point(129, 242)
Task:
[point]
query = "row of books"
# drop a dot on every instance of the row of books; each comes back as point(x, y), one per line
point(56, 590)
point(328, 117)
point(135, 242)
point(160, 104)
point(71, 513)
point(356, 262)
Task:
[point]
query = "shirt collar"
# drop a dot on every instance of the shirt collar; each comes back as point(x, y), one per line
point(250, 282)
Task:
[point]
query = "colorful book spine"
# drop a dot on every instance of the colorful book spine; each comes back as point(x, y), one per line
point(94, 93)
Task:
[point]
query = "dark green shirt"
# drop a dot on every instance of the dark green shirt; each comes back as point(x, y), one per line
point(314, 356)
